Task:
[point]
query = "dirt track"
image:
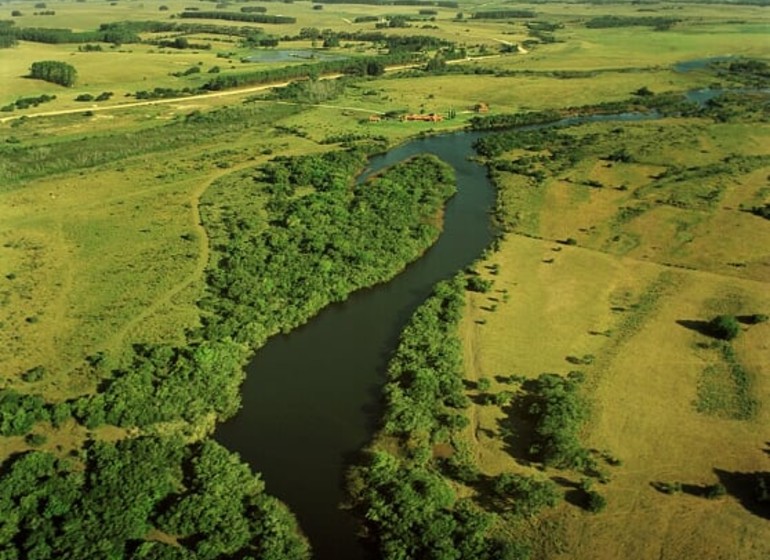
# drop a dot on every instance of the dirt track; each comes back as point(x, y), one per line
point(212, 95)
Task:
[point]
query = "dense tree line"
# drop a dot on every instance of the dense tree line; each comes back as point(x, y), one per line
point(56, 36)
point(439, 3)
point(365, 66)
point(103, 504)
point(115, 33)
point(658, 22)
point(559, 413)
point(54, 71)
point(409, 510)
point(667, 104)
point(164, 384)
point(511, 120)
point(21, 162)
point(276, 271)
point(26, 102)
point(123, 32)
point(239, 16)
point(7, 34)
point(503, 14)
point(394, 43)
point(424, 392)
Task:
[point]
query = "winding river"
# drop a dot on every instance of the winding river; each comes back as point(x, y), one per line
point(311, 399)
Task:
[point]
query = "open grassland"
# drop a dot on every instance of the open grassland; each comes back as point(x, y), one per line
point(582, 284)
point(612, 264)
point(645, 53)
point(95, 258)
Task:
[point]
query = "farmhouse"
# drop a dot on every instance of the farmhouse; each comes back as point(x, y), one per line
point(432, 117)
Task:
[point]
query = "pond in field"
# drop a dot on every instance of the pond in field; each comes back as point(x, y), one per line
point(286, 55)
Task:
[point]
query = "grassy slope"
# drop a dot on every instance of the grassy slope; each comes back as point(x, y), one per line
point(567, 302)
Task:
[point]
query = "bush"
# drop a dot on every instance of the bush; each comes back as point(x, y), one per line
point(479, 284)
point(756, 319)
point(724, 327)
point(715, 491)
point(35, 440)
point(595, 502)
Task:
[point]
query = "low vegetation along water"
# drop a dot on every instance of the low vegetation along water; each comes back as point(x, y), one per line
point(311, 399)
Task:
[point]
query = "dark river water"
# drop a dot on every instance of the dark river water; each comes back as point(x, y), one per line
point(312, 398)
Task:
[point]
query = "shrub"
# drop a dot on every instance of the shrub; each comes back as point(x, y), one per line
point(756, 318)
point(595, 502)
point(35, 440)
point(479, 284)
point(715, 491)
point(724, 327)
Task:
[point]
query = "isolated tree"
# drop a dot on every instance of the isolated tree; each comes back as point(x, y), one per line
point(724, 327)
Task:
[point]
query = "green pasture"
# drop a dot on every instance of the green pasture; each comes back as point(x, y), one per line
point(102, 247)
point(649, 261)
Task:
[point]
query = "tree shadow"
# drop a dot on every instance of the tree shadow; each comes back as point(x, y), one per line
point(486, 497)
point(701, 327)
point(576, 497)
point(753, 319)
point(518, 425)
point(751, 489)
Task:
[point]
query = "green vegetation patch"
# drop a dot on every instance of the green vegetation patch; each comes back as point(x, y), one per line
point(559, 412)
point(425, 389)
point(657, 22)
point(204, 501)
point(54, 71)
point(321, 238)
point(408, 508)
point(20, 162)
point(725, 387)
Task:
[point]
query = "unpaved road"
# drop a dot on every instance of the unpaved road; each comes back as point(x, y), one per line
point(215, 94)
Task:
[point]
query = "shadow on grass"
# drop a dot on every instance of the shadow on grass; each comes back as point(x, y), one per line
point(751, 489)
point(518, 425)
point(700, 327)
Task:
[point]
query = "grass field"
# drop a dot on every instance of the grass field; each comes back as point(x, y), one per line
point(638, 312)
point(102, 248)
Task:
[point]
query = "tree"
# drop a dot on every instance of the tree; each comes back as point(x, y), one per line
point(54, 71)
point(643, 91)
point(724, 327)
point(375, 68)
point(595, 502)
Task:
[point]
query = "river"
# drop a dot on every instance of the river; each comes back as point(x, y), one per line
point(311, 399)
